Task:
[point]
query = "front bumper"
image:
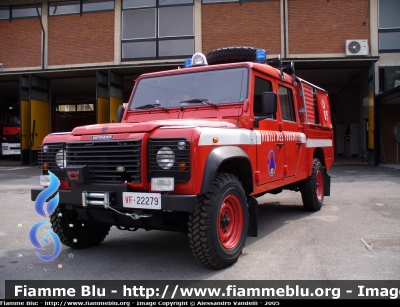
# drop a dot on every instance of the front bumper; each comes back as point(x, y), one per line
point(10, 149)
point(169, 202)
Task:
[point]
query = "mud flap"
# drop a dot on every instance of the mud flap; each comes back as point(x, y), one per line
point(252, 229)
point(327, 184)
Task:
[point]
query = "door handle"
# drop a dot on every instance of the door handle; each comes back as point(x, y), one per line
point(280, 144)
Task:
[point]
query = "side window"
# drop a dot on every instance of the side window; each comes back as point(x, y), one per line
point(286, 103)
point(260, 86)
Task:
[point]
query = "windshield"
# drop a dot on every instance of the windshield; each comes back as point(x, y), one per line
point(203, 88)
point(12, 118)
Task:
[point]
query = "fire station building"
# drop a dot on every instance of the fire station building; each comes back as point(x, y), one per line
point(68, 63)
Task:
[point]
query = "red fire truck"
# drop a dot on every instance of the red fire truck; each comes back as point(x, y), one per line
point(194, 149)
point(11, 132)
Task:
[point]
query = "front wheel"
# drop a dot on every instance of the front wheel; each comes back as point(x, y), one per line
point(312, 189)
point(74, 232)
point(218, 228)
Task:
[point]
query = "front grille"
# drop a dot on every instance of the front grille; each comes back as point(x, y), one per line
point(180, 169)
point(103, 159)
point(50, 153)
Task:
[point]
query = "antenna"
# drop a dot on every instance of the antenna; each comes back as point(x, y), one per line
point(293, 73)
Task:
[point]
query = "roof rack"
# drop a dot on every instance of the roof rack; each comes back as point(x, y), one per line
point(289, 69)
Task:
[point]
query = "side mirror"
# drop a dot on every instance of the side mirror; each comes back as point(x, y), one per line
point(269, 107)
point(269, 104)
point(120, 113)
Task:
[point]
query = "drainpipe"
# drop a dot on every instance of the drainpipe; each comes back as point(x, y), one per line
point(44, 34)
point(284, 30)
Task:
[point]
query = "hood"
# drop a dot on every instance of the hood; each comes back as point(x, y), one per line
point(115, 128)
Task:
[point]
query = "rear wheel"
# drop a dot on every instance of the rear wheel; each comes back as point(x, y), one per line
point(312, 189)
point(74, 232)
point(218, 228)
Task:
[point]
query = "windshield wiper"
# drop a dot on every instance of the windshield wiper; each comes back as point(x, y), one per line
point(152, 106)
point(202, 101)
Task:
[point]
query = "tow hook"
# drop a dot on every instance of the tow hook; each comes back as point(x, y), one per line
point(137, 216)
point(134, 215)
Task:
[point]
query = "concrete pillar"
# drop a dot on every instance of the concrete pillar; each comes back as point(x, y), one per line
point(198, 46)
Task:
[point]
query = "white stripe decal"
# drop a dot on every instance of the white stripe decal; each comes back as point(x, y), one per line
point(266, 136)
point(318, 143)
point(235, 136)
point(227, 136)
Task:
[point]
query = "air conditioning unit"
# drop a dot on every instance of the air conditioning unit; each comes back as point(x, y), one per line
point(356, 47)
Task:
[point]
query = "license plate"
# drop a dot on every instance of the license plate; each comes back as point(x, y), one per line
point(141, 200)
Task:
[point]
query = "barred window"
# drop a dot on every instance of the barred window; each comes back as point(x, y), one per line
point(61, 8)
point(157, 28)
point(4, 13)
point(80, 6)
point(389, 26)
point(25, 11)
point(216, 1)
point(96, 5)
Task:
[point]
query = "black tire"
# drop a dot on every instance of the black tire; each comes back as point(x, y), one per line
point(312, 189)
point(218, 228)
point(231, 55)
point(82, 234)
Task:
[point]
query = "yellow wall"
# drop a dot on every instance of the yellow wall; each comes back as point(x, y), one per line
point(114, 103)
point(102, 110)
point(40, 112)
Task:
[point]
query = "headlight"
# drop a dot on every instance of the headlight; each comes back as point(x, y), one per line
point(61, 159)
point(45, 148)
point(165, 158)
point(181, 145)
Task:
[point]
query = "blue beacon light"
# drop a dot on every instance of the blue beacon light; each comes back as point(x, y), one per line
point(188, 63)
point(261, 56)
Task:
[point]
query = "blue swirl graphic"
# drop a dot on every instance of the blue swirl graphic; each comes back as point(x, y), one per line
point(51, 206)
point(33, 232)
point(36, 243)
point(45, 194)
point(45, 240)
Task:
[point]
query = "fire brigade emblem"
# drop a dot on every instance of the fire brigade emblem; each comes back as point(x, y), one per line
point(271, 162)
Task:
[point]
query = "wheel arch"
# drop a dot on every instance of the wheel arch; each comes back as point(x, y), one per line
point(320, 155)
point(228, 159)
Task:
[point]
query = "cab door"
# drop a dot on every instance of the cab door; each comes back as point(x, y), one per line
point(293, 138)
point(270, 149)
